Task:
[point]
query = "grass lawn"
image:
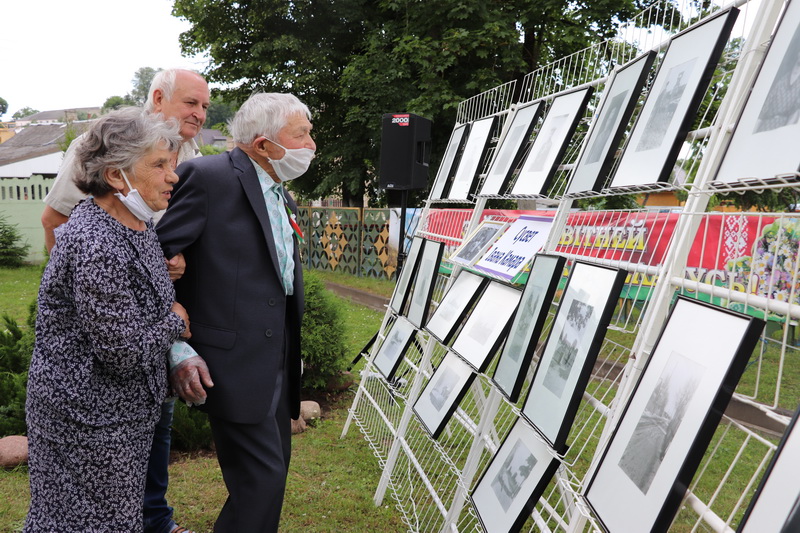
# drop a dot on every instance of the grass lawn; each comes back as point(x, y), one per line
point(331, 480)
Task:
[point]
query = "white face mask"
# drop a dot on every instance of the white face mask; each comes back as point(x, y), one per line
point(134, 202)
point(293, 164)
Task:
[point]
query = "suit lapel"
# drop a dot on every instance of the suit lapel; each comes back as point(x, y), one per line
point(252, 190)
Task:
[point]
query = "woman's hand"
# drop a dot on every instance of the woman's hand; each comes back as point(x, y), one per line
point(181, 312)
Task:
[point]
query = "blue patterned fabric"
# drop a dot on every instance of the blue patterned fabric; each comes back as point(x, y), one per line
point(281, 229)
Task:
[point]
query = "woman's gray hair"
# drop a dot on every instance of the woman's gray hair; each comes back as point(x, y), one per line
point(265, 114)
point(119, 140)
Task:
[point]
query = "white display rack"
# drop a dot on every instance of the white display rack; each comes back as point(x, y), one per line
point(747, 262)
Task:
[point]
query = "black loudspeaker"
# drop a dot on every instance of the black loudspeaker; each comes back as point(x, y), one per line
point(405, 151)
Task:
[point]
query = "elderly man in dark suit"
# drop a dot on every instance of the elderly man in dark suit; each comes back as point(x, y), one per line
point(243, 289)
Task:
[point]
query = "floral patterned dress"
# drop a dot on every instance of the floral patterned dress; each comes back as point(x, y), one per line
point(98, 374)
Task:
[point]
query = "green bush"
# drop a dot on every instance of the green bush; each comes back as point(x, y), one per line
point(323, 351)
point(190, 428)
point(12, 250)
point(16, 348)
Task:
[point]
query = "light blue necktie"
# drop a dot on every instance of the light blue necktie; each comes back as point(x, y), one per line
point(281, 229)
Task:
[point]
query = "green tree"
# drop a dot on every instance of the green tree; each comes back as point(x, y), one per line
point(352, 61)
point(141, 85)
point(114, 102)
point(24, 112)
point(3, 106)
point(13, 249)
point(220, 111)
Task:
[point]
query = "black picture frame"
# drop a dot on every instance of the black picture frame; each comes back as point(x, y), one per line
point(449, 162)
point(511, 149)
point(776, 503)
point(472, 157)
point(609, 125)
point(399, 298)
point(487, 325)
point(769, 124)
point(460, 297)
point(674, 98)
point(551, 142)
point(424, 281)
point(571, 349)
point(529, 320)
point(394, 346)
point(648, 463)
point(517, 476)
point(441, 395)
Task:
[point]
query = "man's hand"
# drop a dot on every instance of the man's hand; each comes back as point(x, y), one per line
point(176, 267)
point(187, 380)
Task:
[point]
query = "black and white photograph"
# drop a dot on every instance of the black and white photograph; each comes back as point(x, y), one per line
point(391, 351)
point(670, 418)
point(566, 351)
point(528, 324)
point(472, 158)
point(551, 142)
point(770, 121)
point(449, 162)
point(473, 247)
point(514, 480)
point(660, 420)
point(456, 303)
point(674, 98)
point(424, 281)
point(400, 295)
point(442, 394)
point(570, 352)
point(608, 128)
point(511, 149)
point(776, 503)
point(484, 330)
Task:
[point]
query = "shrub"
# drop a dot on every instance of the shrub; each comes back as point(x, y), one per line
point(12, 250)
point(16, 348)
point(323, 350)
point(190, 428)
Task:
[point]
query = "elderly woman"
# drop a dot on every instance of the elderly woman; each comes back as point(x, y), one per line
point(107, 318)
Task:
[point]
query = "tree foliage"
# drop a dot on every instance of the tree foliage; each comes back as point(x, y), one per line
point(352, 61)
point(3, 106)
point(141, 85)
point(114, 102)
point(13, 247)
point(24, 112)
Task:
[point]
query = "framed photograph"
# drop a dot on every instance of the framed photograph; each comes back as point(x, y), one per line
point(663, 432)
point(449, 161)
point(776, 503)
point(400, 295)
point(442, 394)
point(673, 101)
point(551, 142)
point(609, 124)
point(573, 343)
point(424, 281)
point(478, 242)
point(509, 375)
point(475, 149)
point(511, 149)
point(483, 331)
point(459, 299)
point(515, 479)
point(770, 122)
point(394, 346)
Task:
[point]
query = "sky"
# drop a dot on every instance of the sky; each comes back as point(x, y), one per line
point(61, 54)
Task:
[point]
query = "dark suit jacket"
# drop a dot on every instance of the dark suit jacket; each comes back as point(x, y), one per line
point(241, 320)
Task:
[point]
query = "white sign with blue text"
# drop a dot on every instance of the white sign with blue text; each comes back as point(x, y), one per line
point(516, 247)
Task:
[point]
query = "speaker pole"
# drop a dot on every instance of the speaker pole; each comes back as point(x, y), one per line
point(401, 248)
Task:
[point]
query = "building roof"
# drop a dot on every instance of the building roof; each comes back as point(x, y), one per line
point(58, 115)
point(36, 140)
point(209, 136)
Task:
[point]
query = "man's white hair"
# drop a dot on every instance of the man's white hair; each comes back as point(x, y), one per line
point(265, 114)
point(165, 81)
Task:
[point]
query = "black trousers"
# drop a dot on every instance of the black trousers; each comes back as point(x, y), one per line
point(254, 459)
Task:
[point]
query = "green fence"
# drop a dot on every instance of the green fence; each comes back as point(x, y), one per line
point(351, 240)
